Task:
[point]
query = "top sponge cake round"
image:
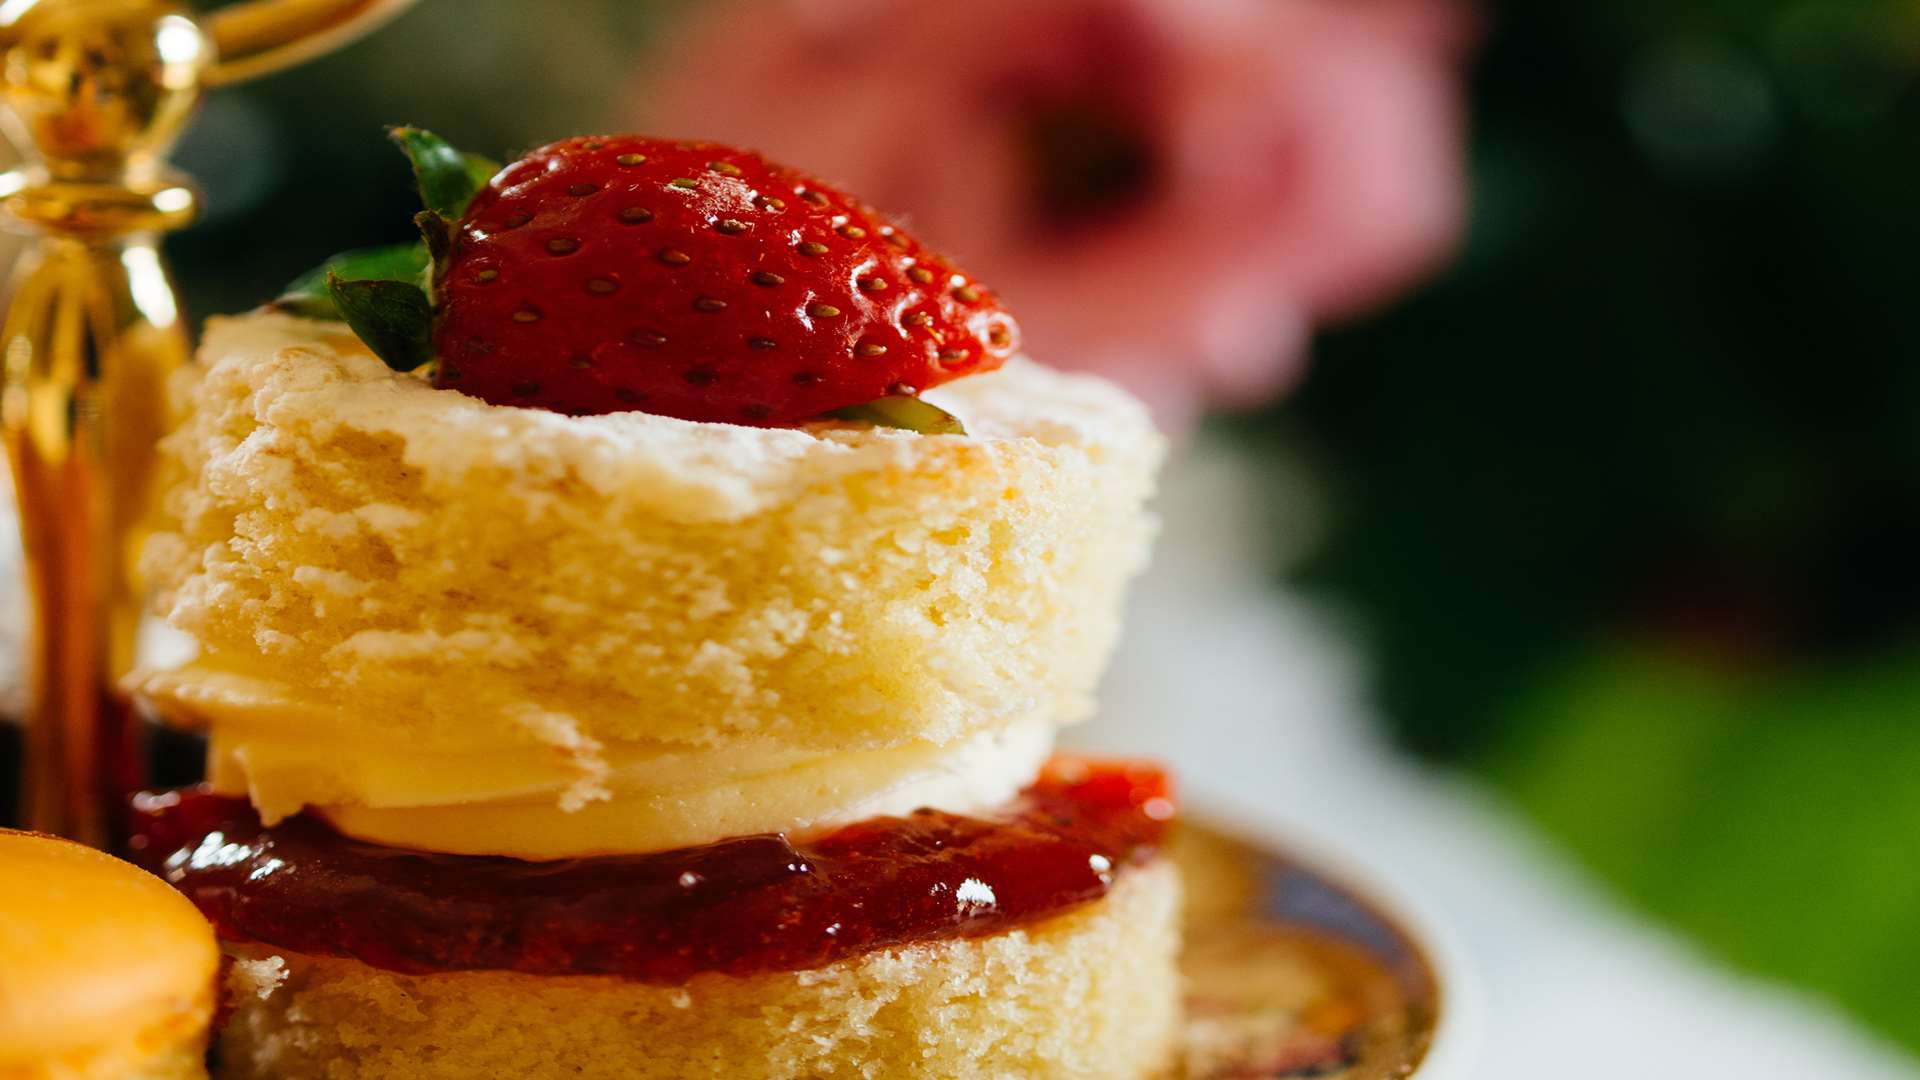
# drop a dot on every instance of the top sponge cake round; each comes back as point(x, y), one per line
point(452, 569)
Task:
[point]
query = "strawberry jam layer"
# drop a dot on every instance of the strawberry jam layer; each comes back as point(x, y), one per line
point(741, 906)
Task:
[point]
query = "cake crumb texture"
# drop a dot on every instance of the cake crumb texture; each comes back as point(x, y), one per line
point(1092, 994)
point(334, 523)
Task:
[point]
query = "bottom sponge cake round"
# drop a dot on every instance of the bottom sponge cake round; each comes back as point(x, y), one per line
point(1093, 993)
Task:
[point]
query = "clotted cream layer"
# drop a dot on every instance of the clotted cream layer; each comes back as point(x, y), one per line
point(284, 749)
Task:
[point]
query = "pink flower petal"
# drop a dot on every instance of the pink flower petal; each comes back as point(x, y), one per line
point(1305, 158)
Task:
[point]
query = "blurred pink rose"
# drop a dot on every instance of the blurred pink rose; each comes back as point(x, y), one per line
point(1170, 192)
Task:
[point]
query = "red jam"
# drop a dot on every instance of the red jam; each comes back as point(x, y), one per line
point(740, 906)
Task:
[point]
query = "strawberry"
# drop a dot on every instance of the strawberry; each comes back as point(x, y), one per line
point(621, 272)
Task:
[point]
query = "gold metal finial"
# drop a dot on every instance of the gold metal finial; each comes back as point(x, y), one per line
point(94, 93)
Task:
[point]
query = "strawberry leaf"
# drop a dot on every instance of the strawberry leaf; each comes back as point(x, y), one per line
point(905, 413)
point(437, 233)
point(394, 318)
point(480, 169)
point(448, 179)
point(308, 295)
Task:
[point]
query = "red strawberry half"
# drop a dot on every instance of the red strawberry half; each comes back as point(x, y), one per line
point(613, 273)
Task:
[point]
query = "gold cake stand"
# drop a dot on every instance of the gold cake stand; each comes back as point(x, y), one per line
point(93, 94)
point(1289, 973)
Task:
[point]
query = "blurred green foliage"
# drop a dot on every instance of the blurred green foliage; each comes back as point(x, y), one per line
point(1626, 506)
point(1772, 817)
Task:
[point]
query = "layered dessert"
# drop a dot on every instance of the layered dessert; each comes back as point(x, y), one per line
point(105, 972)
point(634, 623)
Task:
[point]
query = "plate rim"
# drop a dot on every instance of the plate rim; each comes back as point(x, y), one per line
point(1455, 1028)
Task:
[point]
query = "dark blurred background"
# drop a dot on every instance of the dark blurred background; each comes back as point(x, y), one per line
point(1623, 502)
point(1627, 504)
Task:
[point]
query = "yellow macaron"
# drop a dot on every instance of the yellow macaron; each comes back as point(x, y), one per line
point(105, 971)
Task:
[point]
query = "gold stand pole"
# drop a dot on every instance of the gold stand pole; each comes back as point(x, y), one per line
point(95, 92)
